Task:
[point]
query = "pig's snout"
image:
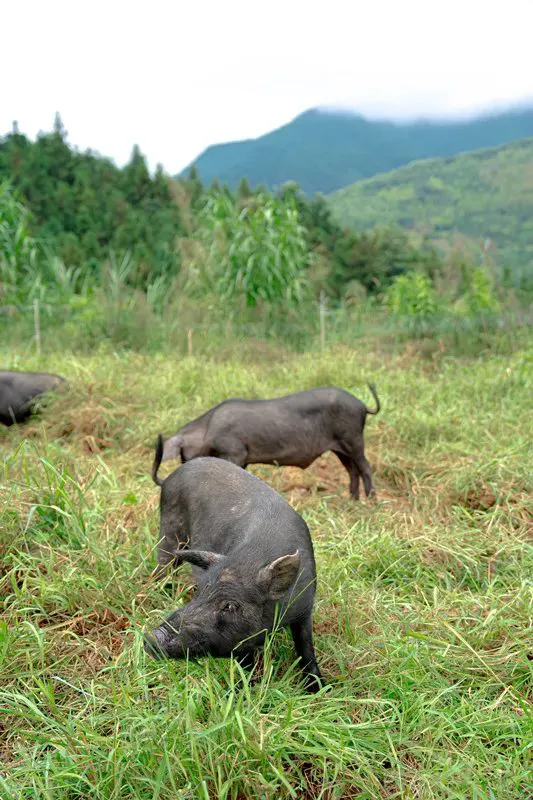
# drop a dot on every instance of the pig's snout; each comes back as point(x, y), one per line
point(154, 644)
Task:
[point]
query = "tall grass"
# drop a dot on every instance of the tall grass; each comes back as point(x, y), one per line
point(167, 321)
point(424, 604)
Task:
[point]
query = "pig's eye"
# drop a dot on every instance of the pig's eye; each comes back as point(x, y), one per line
point(229, 608)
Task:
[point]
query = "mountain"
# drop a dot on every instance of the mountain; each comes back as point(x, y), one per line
point(324, 151)
point(486, 194)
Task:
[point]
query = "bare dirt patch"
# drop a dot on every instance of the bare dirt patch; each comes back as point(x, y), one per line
point(479, 498)
point(327, 626)
point(326, 475)
point(128, 516)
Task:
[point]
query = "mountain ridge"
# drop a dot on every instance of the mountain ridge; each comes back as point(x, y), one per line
point(326, 150)
point(485, 194)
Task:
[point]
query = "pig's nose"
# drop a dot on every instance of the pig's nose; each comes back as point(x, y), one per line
point(154, 644)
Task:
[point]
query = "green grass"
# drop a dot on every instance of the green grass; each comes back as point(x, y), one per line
point(423, 612)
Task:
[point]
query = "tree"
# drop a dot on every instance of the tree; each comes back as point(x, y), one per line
point(374, 259)
point(82, 205)
point(59, 128)
point(257, 253)
point(244, 191)
point(136, 178)
point(18, 252)
point(194, 188)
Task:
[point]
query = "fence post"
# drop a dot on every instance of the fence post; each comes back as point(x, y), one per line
point(189, 342)
point(322, 313)
point(37, 325)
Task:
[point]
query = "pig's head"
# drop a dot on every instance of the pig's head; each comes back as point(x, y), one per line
point(232, 607)
point(172, 448)
point(186, 444)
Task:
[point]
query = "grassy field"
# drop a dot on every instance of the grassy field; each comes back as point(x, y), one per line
point(424, 604)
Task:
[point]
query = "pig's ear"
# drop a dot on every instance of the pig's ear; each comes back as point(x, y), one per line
point(278, 576)
point(200, 558)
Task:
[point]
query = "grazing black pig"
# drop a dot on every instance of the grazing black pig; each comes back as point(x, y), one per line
point(290, 431)
point(249, 551)
point(19, 390)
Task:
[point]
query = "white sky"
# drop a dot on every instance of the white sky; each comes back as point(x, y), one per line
point(175, 77)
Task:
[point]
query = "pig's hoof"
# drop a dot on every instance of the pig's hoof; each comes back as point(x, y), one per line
point(313, 683)
point(246, 660)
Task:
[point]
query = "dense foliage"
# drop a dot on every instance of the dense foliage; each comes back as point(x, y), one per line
point(255, 250)
point(204, 258)
point(80, 211)
point(486, 195)
point(325, 151)
point(83, 206)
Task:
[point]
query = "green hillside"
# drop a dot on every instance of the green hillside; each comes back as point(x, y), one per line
point(324, 151)
point(486, 194)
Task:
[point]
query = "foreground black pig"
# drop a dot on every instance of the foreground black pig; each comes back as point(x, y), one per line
point(249, 551)
point(290, 431)
point(19, 391)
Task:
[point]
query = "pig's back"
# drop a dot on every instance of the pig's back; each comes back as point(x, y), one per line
point(223, 507)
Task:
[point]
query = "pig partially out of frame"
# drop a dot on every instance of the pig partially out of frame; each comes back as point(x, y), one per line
point(288, 431)
point(252, 560)
point(19, 392)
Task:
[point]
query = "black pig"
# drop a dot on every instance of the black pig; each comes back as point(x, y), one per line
point(289, 431)
point(19, 391)
point(249, 550)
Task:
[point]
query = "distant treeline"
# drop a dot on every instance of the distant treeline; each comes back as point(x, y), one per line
point(82, 205)
point(84, 210)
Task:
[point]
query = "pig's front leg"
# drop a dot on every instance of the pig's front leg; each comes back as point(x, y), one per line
point(302, 634)
point(246, 659)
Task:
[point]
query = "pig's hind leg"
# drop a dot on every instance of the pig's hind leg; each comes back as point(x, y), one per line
point(351, 453)
point(351, 468)
point(229, 449)
point(366, 473)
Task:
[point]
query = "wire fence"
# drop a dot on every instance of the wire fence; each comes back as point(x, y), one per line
point(190, 331)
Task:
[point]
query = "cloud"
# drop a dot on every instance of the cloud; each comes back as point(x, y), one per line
point(176, 77)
